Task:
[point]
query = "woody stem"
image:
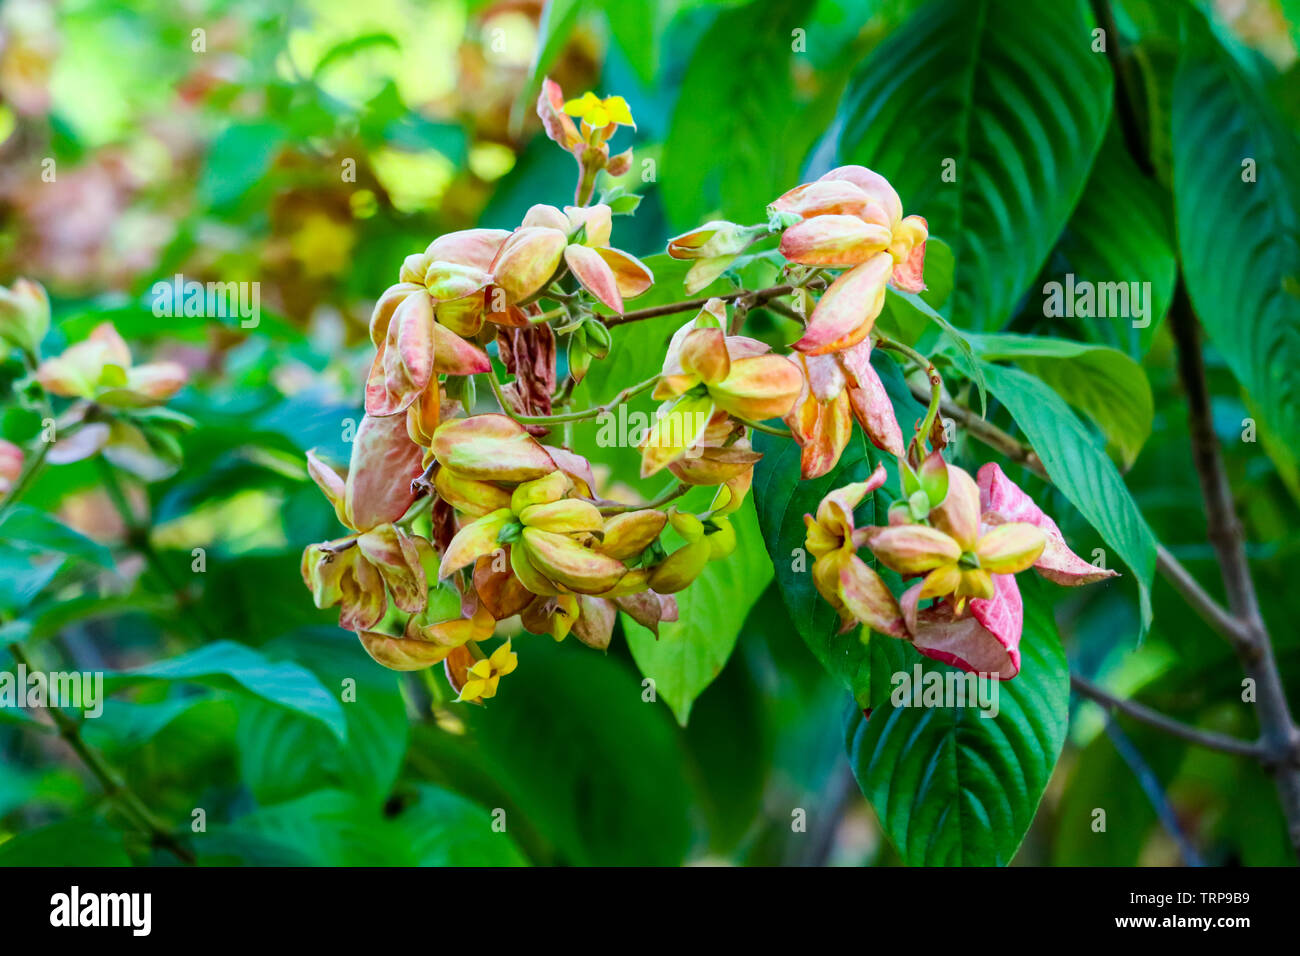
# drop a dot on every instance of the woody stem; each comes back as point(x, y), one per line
point(673, 493)
point(770, 429)
point(936, 385)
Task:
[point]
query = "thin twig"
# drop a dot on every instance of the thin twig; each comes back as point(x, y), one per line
point(690, 305)
point(1140, 712)
point(607, 507)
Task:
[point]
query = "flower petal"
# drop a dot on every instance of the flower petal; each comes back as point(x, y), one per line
point(330, 482)
point(873, 184)
point(527, 260)
point(848, 309)
point(547, 217)
point(984, 640)
point(868, 599)
point(1010, 548)
point(704, 355)
point(1002, 501)
point(677, 428)
point(397, 559)
point(384, 463)
point(834, 241)
point(563, 517)
point(870, 402)
point(913, 548)
point(452, 355)
point(404, 363)
point(959, 514)
point(564, 561)
point(362, 596)
point(824, 198)
point(596, 222)
point(628, 534)
point(908, 249)
point(550, 109)
point(595, 275)
point(759, 387)
point(491, 448)
point(632, 276)
point(470, 247)
point(474, 540)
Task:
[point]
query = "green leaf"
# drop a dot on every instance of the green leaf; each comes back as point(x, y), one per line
point(746, 110)
point(1240, 240)
point(690, 652)
point(31, 529)
point(125, 724)
point(324, 828)
point(951, 786)
point(83, 841)
point(728, 738)
point(1013, 95)
point(1083, 472)
point(559, 17)
point(238, 160)
point(284, 754)
point(24, 575)
point(1102, 382)
point(782, 499)
point(447, 830)
point(1122, 234)
point(333, 828)
point(231, 666)
point(637, 26)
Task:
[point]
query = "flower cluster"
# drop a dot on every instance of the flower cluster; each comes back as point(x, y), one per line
point(516, 525)
point(965, 539)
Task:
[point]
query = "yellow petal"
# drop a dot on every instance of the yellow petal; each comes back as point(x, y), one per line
point(1010, 548)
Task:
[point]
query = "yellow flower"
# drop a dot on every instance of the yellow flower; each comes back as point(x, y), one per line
point(487, 673)
point(846, 582)
point(598, 113)
point(954, 553)
point(708, 376)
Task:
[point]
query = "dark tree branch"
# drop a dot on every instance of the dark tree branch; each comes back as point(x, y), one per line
point(1147, 715)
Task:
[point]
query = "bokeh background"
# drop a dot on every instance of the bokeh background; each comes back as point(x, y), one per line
point(309, 146)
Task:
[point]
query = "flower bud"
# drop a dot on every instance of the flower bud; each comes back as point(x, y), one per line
point(681, 567)
point(24, 315)
point(599, 340)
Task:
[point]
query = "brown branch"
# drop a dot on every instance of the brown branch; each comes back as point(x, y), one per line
point(692, 305)
point(1254, 649)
